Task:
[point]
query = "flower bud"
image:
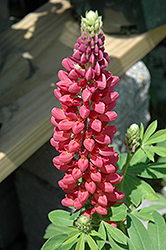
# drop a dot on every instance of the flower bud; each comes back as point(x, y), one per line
point(132, 137)
point(83, 223)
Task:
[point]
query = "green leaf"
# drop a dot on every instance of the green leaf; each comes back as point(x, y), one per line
point(101, 230)
point(157, 232)
point(159, 136)
point(151, 170)
point(95, 233)
point(147, 150)
point(116, 234)
point(81, 243)
point(117, 212)
point(149, 131)
point(54, 242)
point(122, 161)
point(143, 216)
point(137, 190)
point(159, 151)
point(116, 245)
point(131, 189)
point(71, 238)
point(141, 131)
point(91, 242)
point(60, 217)
point(55, 230)
point(76, 214)
point(138, 234)
point(138, 157)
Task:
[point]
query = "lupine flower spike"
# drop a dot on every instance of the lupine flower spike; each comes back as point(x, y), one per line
point(83, 132)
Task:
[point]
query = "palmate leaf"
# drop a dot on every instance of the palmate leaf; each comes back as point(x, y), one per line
point(143, 216)
point(122, 161)
point(101, 231)
point(116, 234)
point(56, 230)
point(71, 238)
point(149, 153)
point(157, 137)
point(138, 157)
point(115, 245)
point(81, 243)
point(138, 235)
point(60, 217)
point(141, 131)
point(117, 212)
point(149, 131)
point(151, 170)
point(54, 242)
point(157, 231)
point(92, 244)
point(137, 190)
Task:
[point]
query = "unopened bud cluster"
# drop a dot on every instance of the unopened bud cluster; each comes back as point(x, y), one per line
point(83, 223)
point(83, 129)
point(132, 138)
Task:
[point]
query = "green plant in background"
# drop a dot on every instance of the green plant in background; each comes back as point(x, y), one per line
point(104, 188)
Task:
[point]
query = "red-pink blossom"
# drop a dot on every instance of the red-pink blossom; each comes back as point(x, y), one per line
point(83, 133)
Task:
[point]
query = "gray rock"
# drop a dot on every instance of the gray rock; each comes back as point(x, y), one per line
point(133, 103)
point(10, 216)
point(37, 198)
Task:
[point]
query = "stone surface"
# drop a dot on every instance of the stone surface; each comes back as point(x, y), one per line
point(37, 198)
point(10, 217)
point(40, 164)
point(133, 103)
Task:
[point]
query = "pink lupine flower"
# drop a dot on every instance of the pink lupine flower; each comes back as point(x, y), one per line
point(83, 132)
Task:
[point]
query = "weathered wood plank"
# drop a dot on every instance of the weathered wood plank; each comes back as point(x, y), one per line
point(31, 52)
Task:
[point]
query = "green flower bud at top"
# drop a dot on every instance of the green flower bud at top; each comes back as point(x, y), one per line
point(83, 223)
point(91, 22)
point(132, 137)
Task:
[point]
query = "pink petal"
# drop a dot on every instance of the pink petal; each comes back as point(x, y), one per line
point(77, 204)
point(96, 125)
point(86, 95)
point(78, 127)
point(99, 107)
point(83, 196)
point(65, 157)
point(89, 74)
point(89, 144)
point(74, 88)
point(58, 114)
point(67, 100)
point(97, 161)
point(73, 146)
point(96, 176)
point(61, 136)
point(106, 187)
point(83, 164)
point(90, 187)
point(84, 111)
point(109, 116)
point(76, 173)
point(101, 210)
point(107, 151)
point(103, 139)
point(67, 202)
point(65, 125)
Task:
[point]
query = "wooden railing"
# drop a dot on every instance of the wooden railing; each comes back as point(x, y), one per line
point(31, 53)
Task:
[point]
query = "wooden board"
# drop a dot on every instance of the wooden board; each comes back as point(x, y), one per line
point(31, 54)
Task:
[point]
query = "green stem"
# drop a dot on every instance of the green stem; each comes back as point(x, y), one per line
point(125, 170)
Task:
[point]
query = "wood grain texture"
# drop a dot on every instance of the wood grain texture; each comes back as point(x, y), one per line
point(31, 54)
